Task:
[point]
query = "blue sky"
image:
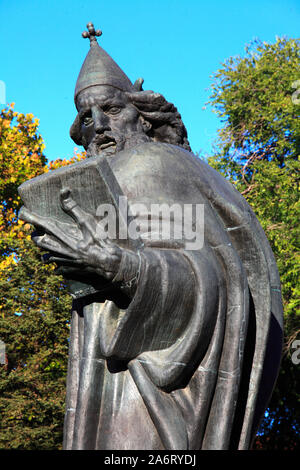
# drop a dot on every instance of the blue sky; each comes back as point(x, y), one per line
point(175, 45)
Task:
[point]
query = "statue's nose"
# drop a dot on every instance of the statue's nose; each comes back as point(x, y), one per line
point(100, 121)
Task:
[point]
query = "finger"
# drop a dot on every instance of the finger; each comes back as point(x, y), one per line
point(49, 258)
point(48, 225)
point(47, 243)
point(106, 274)
point(108, 244)
point(86, 221)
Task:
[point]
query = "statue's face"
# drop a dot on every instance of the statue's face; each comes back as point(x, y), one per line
point(108, 120)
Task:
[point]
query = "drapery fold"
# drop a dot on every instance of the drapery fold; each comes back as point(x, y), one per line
point(185, 362)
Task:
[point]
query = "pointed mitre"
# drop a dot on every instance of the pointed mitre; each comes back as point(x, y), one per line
point(99, 68)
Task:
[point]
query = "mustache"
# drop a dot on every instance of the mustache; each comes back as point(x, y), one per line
point(108, 143)
point(102, 139)
point(100, 142)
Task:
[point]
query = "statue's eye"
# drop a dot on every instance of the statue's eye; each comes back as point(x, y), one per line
point(87, 120)
point(113, 110)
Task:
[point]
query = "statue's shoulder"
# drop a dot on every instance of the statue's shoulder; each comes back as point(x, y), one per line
point(151, 157)
point(156, 167)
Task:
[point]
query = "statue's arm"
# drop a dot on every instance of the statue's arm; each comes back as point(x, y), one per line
point(128, 273)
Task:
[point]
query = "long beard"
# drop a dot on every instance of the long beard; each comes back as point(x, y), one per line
point(109, 145)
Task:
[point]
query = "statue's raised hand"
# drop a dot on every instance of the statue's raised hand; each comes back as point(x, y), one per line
point(89, 253)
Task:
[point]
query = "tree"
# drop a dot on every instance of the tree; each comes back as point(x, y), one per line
point(256, 98)
point(34, 304)
point(258, 146)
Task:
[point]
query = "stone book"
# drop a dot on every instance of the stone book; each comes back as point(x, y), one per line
point(92, 184)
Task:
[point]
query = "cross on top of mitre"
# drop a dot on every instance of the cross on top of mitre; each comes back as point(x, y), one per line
point(91, 33)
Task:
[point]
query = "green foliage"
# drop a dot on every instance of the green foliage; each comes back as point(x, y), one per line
point(35, 328)
point(274, 196)
point(34, 305)
point(256, 99)
point(258, 150)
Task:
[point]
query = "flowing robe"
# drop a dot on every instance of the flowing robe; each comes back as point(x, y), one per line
point(190, 362)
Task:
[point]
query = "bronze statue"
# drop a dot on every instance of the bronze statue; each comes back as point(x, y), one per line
point(174, 347)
